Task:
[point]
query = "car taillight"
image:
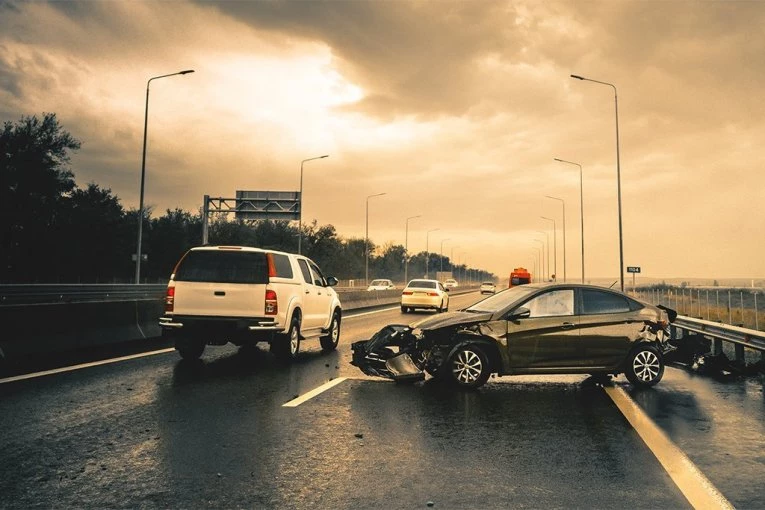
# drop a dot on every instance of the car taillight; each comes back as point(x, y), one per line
point(408, 293)
point(272, 307)
point(170, 299)
point(433, 294)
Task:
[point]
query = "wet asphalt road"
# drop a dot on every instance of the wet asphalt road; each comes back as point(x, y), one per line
point(156, 432)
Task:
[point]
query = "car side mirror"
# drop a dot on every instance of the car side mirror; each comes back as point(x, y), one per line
point(520, 313)
point(446, 289)
point(332, 281)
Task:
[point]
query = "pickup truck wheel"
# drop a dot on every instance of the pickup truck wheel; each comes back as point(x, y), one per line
point(329, 342)
point(189, 349)
point(286, 347)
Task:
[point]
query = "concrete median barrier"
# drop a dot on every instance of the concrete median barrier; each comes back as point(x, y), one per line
point(56, 327)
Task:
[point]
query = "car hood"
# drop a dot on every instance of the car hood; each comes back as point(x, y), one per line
point(444, 320)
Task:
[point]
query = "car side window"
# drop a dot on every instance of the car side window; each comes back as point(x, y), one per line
point(304, 270)
point(595, 302)
point(552, 304)
point(318, 278)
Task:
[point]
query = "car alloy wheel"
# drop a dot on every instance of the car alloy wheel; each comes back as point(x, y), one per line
point(469, 367)
point(646, 367)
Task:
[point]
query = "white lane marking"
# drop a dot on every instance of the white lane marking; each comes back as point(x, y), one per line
point(84, 365)
point(370, 313)
point(696, 487)
point(316, 391)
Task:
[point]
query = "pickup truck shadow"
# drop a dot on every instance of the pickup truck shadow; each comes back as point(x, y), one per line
point(244, 362)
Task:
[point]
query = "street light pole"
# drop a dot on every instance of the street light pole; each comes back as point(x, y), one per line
point(451, 259)
point(618, 175)
point(441, 254)
point(563, 202)
point(366, 241)
point(542, 258)
point(547, 236)
point(143, 173)
point(581, 206)
point(300, 213)
point(406, 249)
point(555, 248)
point(427, 251)
point(537, 261)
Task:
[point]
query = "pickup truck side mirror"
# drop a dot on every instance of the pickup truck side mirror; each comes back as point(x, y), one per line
point(331, 281)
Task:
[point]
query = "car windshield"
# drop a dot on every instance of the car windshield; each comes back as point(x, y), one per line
point(501, 300)
point(379, 282)
point(487, 283)
point(422, 284)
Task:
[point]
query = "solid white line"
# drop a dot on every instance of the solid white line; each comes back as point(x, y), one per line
point(316, 391)
point(84, 365)
point(696, 487)
point(370, 313)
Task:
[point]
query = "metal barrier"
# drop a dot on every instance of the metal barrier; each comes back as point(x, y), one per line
point(741, 338)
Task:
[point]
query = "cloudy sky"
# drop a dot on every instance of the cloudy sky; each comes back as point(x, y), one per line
point(455, 110)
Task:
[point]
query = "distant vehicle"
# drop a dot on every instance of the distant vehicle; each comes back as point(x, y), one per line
point(429, 294)
point(451, 283)
point(488, 288)
point(529, 329)
point(381, 284)
point(519, 276)
point(243, 295)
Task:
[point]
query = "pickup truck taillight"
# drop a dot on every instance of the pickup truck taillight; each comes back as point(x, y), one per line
point(272, 306)
point(170, 299)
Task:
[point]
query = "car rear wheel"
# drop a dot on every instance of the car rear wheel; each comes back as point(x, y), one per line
point(189, 348)
point(440, 308)
point(645, 366)
point(329, 342)
point(404, 309)
point(286, 347)
point(469, 367)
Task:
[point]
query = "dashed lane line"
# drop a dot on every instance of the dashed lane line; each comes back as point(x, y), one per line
point(314, 392)
point(84, 365)
point(696, 487)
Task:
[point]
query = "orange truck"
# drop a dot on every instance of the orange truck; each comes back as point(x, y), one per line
point(519, 276)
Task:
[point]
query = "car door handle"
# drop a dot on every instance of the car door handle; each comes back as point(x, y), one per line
point(220, 293)
point(567, 325)
point(307, 291)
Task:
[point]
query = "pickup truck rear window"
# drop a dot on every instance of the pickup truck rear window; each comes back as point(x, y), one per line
point(223, 267)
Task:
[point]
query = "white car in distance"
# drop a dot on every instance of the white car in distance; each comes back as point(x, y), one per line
point(488, 288)
point(381, 284)
point(428, 294)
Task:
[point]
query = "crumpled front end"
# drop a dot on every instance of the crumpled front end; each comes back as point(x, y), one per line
point(393, 353)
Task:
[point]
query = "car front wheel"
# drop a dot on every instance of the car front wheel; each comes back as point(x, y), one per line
point(645, 366)
point(469, 367)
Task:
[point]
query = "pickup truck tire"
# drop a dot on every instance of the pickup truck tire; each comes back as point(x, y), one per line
point(329, 342)
point(189, 348)
point(286, 347)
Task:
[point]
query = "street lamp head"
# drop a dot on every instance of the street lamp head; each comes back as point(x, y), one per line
point(576, 76)
point(187, 71)
point(324, 156)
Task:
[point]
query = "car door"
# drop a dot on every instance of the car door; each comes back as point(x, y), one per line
point(549, 337)
point(608, 327)
point(321, 298)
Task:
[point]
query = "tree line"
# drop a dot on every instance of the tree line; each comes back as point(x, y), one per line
point(54, 231)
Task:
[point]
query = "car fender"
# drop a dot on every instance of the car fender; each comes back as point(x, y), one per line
point(489, 346)
point(655, 344)
point(292, 305)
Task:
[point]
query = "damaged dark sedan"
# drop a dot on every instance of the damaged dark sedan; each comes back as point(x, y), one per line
point(530, 329)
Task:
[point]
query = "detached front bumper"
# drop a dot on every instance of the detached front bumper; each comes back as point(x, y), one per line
point(380, 357)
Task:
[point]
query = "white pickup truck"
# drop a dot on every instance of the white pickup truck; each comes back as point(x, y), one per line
point(243, 295)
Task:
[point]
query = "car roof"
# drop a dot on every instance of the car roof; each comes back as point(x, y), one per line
point(240, 248)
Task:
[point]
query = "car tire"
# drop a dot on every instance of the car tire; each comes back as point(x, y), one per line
point(189, 349)
point(286, 347)
point(404, 309)
point(440, 309)
point(468, 367)
point(330, 341)
point(644, 366)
